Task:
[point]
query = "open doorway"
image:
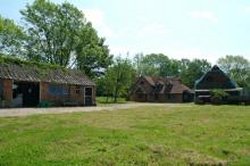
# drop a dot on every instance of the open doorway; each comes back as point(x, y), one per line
point(25, 94)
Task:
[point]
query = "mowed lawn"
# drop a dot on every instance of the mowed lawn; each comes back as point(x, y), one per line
point(155, 135)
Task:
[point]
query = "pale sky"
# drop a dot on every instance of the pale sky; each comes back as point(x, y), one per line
point(206, 29)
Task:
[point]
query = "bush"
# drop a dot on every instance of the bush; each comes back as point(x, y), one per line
point(218, 96)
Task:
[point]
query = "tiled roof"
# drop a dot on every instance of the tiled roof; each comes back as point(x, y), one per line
point(165, 85)
point(36, 74)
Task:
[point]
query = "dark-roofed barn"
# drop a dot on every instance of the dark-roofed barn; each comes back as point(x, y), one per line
point(28, 86)
point(160, 89)
point(214, 79)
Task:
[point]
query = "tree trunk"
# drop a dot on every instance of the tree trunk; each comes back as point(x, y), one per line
point(107, 99)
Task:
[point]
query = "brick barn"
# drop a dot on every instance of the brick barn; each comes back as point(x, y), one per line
point(23, 85)
point(215, 79)
point(160, 89)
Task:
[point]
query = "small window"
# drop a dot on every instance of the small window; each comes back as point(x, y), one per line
point(57, 90)
point(141, 83)
point(88, 91)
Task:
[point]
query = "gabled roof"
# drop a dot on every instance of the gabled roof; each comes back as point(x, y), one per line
point(165, 85)
point(215, 78)
point(20, 72)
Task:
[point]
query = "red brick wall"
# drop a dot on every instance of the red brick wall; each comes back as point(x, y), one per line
point(46, 96)
point(7, 92)
point(72, 96)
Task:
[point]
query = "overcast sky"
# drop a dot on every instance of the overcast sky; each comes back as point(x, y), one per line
point(178, 28)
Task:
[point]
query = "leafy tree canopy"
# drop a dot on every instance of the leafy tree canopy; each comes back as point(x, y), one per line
point(56, 34)
point(60, 34)
point(237, 67)
point(118, 79)
point(155, 65)
point(193, 70)
point(11, 37)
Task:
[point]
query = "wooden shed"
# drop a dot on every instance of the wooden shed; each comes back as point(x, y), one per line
point(23, 85)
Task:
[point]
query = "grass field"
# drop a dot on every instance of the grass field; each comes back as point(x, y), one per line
point(103, 100)
point(170, 135)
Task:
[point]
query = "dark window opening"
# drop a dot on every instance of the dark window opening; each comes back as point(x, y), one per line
point(88, 91)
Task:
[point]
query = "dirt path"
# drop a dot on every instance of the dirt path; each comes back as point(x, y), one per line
point(58, 110)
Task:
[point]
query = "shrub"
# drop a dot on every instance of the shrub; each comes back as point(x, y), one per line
point(218, 96)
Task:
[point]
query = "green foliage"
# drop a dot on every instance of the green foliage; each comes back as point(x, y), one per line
point(155, 65)
point(53, 31)
point(219, 93)
point(238, 68)
point(218, 96)
point(43, 66)
point(56, 34)
point(161, 65)
point(12, 37)
point(118, 79)
point(149, 135)
point(60, 34)
point(193, 70)
point(106, 100)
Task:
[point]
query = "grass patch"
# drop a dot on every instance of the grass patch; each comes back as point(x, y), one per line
point(183, 135)
point(103, 100)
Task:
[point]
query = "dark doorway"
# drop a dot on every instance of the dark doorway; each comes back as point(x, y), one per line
point(25, 94)
point(88, 97)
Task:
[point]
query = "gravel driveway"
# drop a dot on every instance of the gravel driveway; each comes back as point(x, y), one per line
point(12, 112)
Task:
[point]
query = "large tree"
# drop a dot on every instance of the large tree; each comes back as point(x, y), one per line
point(12, 37)
point(193, 70)
point(119, 78)
point(156, 65)
point(237, 67)
point(60, 34)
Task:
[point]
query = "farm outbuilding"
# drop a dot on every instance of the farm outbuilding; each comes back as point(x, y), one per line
point(160, 89)
point(30, 85)
point(215, 79)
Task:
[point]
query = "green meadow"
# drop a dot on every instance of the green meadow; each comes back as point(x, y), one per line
point(155, 135)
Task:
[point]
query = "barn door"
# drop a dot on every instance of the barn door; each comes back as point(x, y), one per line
point(88, 96)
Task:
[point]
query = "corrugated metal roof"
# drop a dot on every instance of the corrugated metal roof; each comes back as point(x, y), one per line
point(35, 74)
